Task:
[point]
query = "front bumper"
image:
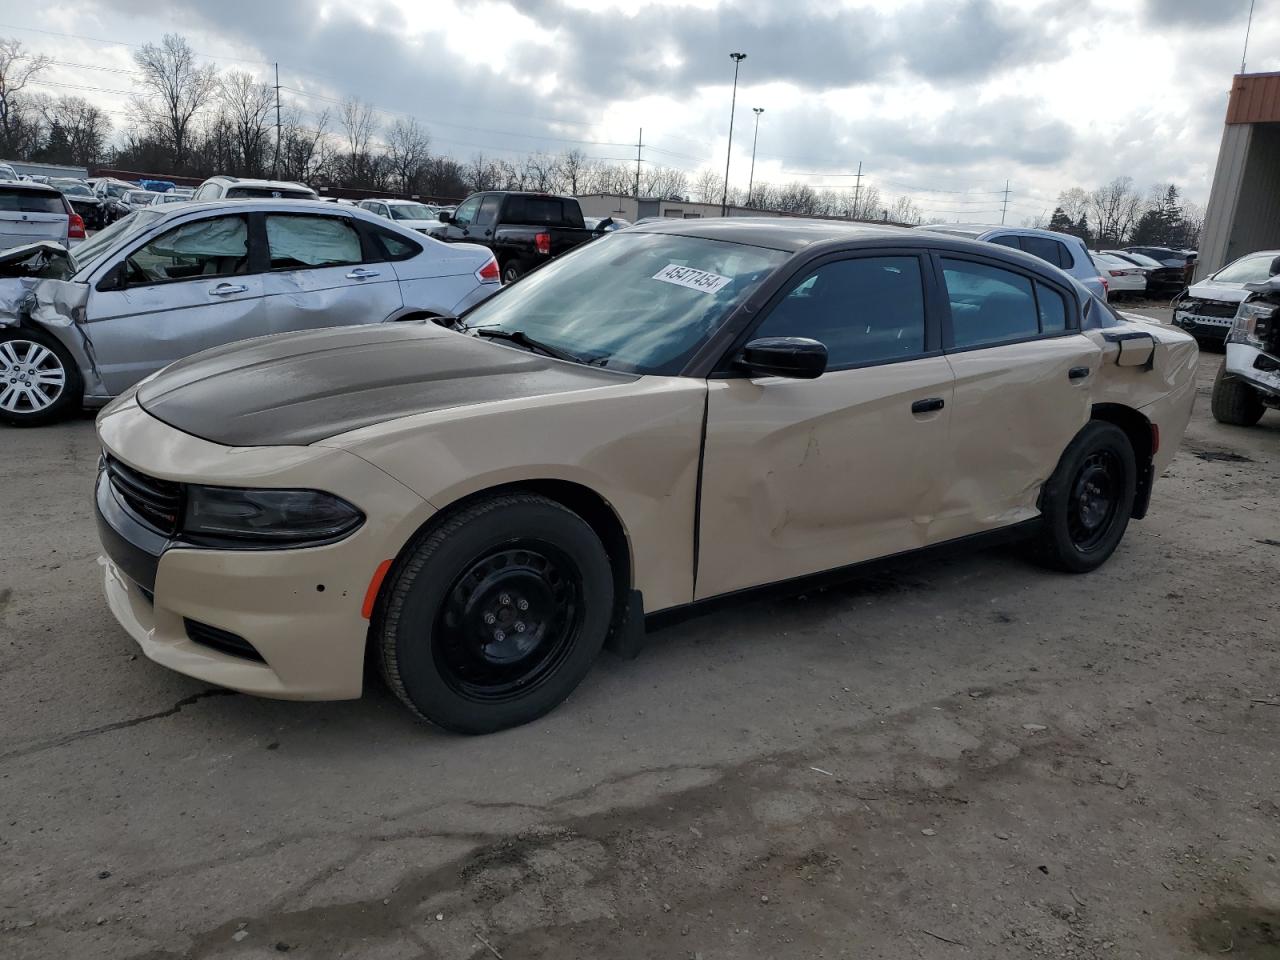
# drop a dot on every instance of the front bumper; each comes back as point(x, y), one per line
point(1202, 327)
point(1256, 367)
point(299, 609)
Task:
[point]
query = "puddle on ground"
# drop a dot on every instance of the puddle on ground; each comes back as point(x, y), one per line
point(1242, 932)
point(1222, 456)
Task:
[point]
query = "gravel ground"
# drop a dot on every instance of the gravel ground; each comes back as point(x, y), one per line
point(959, 757)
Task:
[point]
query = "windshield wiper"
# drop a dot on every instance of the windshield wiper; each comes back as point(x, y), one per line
point(522, 339)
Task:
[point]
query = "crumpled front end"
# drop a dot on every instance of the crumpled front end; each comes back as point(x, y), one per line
point(1253, 345)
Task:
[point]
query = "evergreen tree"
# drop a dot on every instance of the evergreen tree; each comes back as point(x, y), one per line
point(1060, 221)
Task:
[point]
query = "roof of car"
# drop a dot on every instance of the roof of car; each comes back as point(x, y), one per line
point(32, 185)
point(255, 182)
point(979, 229)
point(780, 233)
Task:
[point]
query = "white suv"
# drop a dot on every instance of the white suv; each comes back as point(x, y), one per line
point(240, 188)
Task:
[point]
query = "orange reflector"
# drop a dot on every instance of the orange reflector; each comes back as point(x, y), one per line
point(371, 595)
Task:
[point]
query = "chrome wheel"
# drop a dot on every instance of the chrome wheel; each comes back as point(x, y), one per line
point(32, 377)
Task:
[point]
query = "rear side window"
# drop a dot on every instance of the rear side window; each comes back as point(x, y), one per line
point(267, 193)
point(395, 246)
point(297, 242)
point(988, 305)
point(866, 310)
point(1053, 309)
point(1006, 240)
point(30, 201)
point(1047, 249)
point(543, 211)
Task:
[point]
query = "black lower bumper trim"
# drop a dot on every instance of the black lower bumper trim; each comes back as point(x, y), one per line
point(133, 547)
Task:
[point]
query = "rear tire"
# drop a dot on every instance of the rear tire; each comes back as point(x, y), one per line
point(493, 617)
point(512, 271)
point(1086, 504)
point(1234, 401)
point(39, 379)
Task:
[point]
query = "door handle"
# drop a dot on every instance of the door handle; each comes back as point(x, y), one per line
point(1077, 373)
point(227, 289)
point(359, 273)
point(928, 405)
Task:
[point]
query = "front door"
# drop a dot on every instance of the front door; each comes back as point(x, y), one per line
point(322, 275)
point(459, 229)
point(801, 476)
point(188, 289)
point(1022, 373)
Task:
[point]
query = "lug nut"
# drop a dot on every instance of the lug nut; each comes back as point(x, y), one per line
point(490, 619)
point(519, 626)
point(504, 600)
point(522, 603)
point(499, 635)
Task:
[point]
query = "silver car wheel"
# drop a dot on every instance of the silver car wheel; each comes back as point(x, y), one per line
point(32, 376)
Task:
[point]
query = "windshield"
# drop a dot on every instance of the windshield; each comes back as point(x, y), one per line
point(1139, 259)
point(117, 189)
point(140, 197)
point(1255, 268)
point(74, 189)
point(106, 241)
point(631, 301)
point(411, 211)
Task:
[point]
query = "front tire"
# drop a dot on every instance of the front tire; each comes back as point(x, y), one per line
point(1234, 401)
point(1087, 502)
point(39, 380)
point(495, 615)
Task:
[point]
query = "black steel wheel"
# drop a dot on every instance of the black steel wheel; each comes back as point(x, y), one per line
point(495, 613)
point(1086, 504)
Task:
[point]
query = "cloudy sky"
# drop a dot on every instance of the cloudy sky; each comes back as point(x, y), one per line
point(942, 100)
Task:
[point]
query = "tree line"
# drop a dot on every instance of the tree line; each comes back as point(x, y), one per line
point(1118, 214)
point(187, 118)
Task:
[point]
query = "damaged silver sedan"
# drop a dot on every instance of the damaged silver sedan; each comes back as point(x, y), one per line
point(78, 328)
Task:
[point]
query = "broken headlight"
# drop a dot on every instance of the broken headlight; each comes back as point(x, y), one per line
point(1255, 321)
point(240, 518)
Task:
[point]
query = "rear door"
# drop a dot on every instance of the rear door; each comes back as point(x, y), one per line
point(322, 273)
point(28, 215)
point(1022, 388)
point(190, 288)
point(801, 476)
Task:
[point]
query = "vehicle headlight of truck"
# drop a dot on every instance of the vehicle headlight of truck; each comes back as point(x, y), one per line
point(241, 518)
point(1254, 322)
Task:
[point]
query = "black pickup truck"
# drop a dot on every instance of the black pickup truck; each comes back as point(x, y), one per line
point(524, 230)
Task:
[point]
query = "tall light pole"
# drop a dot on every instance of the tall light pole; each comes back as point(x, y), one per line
point(737, 59)
point(751, 181)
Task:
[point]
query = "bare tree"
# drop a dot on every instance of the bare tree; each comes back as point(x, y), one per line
point(665, 183)
point(408, 149)
point(1114, 209)
point(247, 105)
point(18, 126)
point(905, 210)
point(707, 186)
point(83, 130)
point(481, 174)
point(574, 170)
point(359, 126)
point(304, 150)
point(176, 89)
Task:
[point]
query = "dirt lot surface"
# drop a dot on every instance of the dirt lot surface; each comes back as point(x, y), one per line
point(965, 757)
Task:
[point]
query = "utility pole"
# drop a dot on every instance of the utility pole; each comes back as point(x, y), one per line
point(724, 197)
point(1248, 27)
point(857, 192)
point(275, 163)
point(1004, 208)
point(639, 144)
point(751, 181)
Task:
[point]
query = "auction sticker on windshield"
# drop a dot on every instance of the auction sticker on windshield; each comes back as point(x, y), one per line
point(691, 278)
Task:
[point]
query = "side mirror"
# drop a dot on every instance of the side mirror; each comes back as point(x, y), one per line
point(1275, 267)
point(117, 278)
point(444, 216)
point(796, 357)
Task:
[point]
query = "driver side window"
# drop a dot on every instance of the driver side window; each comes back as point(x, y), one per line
point(466, 212)
point(865, 310)
point(218, 247)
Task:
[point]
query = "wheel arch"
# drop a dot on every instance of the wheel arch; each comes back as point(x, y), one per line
point(587, 503)
point(1141, 434)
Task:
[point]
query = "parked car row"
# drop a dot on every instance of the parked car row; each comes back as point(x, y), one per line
point(32, 212)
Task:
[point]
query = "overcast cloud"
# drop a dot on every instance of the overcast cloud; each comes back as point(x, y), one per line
point(943, 101)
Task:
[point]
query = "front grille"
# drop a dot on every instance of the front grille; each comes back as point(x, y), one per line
point(1210, 308)
point(224, 641)
point(156, 502)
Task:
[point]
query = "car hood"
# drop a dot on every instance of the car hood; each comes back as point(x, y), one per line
point(1216, 290)
point(297, 389)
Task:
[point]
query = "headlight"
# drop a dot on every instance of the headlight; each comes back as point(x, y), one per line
point(1252, 324)
point(235, 517)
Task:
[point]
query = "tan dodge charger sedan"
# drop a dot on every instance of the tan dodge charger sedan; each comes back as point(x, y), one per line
point(671, 414)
